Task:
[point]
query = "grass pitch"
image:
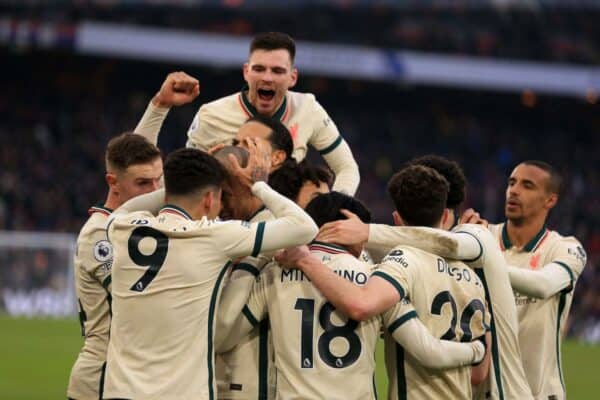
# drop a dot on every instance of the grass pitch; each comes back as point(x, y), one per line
point(36, 356)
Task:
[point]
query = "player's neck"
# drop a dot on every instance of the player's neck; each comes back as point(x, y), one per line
point(253, 205)
point(112, 201)
point(522, 232)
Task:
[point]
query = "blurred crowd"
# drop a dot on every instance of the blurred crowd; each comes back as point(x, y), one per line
point(559, 34)
point(59, 112)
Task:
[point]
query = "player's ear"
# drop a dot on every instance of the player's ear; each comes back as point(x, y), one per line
point(245, 69)
point(551, 201)
point(277, 158)
point(294, 78)
point(111, 180)
point(397, 219)
point(446, 219)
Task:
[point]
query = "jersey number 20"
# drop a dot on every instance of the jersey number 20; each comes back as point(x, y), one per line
point(331, 331)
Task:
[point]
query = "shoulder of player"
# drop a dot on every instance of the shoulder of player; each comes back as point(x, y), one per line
point(94, 229)
point(496, 229)
point(301, 100)
point(555, 237)
point(221, 108)
point(407, 253)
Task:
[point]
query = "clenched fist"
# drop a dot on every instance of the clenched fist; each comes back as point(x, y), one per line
point(178, 89)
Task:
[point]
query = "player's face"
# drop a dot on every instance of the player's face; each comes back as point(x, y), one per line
point(138, 179)
point(254, 129)
point(527, 195)
point(309, 191)
point(269, 74)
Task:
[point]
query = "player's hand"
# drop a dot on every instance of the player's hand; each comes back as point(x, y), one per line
point(289, 258)
point(215, 148)
point(178, 89)
point(349, 231)
point(259, 162)
point(471, 216)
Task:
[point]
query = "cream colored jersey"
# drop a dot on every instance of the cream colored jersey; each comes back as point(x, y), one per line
point(93, 262)
point(542, 322)
point(167, 273)
point(319, 352)
point(450, 300)
point(309, 124)
point(506, 379)
point(247, 370)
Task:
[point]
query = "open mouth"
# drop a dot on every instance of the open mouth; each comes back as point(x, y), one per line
point(266, 94)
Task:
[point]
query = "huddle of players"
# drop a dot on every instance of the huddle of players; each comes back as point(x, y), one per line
point(185, 321)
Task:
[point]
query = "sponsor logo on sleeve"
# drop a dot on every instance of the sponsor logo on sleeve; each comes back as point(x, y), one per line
point(578, 253)
point(396, 256)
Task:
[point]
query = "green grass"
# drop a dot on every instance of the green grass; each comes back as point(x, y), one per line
point(36, 356)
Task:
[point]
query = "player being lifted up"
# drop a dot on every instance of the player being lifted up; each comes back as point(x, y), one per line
point(269, 74)
point(543, 269)
point(442, 292)
point(133, 167)
point(167, 273)
point(320, 353)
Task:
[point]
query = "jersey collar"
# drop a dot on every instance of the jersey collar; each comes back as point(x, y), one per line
point(171, 209)
point(280, 114)
point(529, 247)
point(330, 248)
point(99, 208)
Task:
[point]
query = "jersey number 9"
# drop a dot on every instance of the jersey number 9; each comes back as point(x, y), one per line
point(153, 261)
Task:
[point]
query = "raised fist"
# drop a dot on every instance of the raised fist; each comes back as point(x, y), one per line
point(178, 88)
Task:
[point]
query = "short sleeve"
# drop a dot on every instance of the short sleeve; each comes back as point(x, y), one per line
point(398, 268)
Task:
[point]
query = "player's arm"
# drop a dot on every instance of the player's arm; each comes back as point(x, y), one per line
point(291, 226)
point(336, 152)
point(177, 89)
point(568, 260)
point(380, 239)
point(235, 296)
point(247, 317)
point(151, 202)
point(408, 331)
point(542, 283)
point(358, 302)
point(479, 372)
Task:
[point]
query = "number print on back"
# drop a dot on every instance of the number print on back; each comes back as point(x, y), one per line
point(153, 261)
point(331, 331)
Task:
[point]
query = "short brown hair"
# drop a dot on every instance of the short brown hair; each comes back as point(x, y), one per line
point(190, 171)
point(450, 170)
point(274, 41)
point(129, 149)
point(419, 194)
point(554, 184)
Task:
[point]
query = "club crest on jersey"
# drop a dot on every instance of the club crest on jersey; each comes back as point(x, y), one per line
point(534, 261)
point(103, 251)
